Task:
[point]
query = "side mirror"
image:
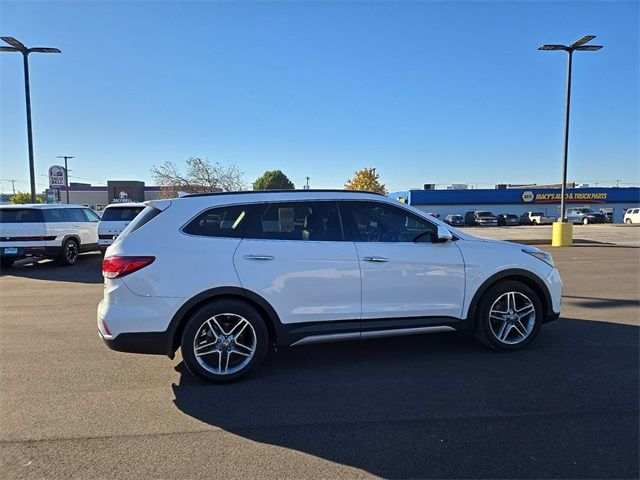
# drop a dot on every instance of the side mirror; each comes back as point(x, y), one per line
point(444, 235)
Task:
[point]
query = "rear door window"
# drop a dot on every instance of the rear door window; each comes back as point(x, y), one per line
point(21, 215)
point(311, 221)
point(120, 214)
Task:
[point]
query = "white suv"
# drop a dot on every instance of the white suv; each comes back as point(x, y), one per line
point(115, 218)
point(224, 275)
point(632, 215)
point(46, 231)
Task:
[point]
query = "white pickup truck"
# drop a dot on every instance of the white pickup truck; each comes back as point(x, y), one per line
point(536, 218)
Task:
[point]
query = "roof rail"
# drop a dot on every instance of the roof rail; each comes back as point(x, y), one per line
point(316, 190)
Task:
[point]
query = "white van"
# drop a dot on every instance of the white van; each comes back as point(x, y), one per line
point(115, 218)
point(46, 231)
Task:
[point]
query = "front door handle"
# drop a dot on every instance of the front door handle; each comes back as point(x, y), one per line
point(259, 257)
point(376, 259)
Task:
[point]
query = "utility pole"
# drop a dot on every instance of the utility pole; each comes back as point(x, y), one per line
point(17, 46)
point(66, 174)
point(306, 187)
point(13, 183)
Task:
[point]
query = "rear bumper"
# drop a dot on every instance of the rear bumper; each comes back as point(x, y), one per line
point(150, 343)
point(30, 252)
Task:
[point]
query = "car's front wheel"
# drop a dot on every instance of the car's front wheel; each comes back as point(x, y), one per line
point(628, 221)
point(509, 316)
point(224, 340)
point(585, 221)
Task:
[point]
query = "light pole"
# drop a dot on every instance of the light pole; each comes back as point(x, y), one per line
point(578, 45)
point(17, 46)
point(66, 173)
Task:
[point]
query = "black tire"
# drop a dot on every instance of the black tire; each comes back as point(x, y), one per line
point(534, 222)
point(628, 221)
point(196, 326)
point(6, 262)
point(585, 221)
point(483, 328)
point(69, 254)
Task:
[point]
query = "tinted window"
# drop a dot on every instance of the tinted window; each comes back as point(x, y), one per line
point(91, 215)
point(54, 215)
point(120, 214)
point(75, 215)
point(377, 222)
point(315, 221)
point(20, 215)
point(229, 221)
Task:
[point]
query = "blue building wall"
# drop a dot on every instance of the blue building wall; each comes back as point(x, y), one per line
point(520, 200)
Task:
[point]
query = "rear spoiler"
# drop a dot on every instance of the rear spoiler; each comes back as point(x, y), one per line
point(158, 204)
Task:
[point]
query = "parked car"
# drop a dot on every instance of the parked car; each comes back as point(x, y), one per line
point(454, 220)
point(608, 213)
point(115, 218)
point(480, 219)
point(508, 220)
point(536, 218)
point(46, 231)
point(585, 216)
point(223, 276)
point(632, 215)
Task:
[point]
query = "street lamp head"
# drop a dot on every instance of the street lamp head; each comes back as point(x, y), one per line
point(553, 47)
point(582, 41)
point(589, 48)
point(14, 43)
point(44, 50)
point(8, 49)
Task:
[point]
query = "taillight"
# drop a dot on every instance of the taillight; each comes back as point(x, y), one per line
point(118, 267)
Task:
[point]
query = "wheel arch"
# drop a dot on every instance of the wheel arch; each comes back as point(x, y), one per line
point(515, 274)
point(71, 236)
point(176, 326)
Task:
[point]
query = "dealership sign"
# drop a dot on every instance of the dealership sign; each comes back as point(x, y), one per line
point(57, 176)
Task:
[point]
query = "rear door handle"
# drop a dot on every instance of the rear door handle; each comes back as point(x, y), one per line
point(259, 257)
point(376, 259)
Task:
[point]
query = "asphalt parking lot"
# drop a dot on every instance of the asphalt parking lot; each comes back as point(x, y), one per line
point(437, 406)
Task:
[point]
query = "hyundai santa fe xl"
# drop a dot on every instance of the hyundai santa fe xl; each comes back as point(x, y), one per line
point(223, 276)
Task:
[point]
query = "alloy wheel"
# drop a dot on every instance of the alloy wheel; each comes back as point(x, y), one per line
point(225, 344)
point(512, 318)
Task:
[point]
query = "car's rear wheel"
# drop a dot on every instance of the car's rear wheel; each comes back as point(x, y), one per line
point(628, 221)
point(585, 221)
point(69, 254)
point(509, 316)
point(6, 262)
point(224, 341)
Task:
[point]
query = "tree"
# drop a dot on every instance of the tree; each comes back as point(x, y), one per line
point(273, 180)
point(200, 176)
point(21, 198)
point(367, 180)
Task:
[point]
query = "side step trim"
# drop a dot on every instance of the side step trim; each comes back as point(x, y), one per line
point(336, 337)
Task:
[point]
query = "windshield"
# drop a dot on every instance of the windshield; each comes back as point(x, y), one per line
point(120, 214)
point(485, 214)
point(537, 214)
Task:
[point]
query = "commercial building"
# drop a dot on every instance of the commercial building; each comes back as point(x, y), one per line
point(97, 197)
point(521, 200)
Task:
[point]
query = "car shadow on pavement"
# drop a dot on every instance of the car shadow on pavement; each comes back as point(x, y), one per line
point(87, 269)
point(442, 406)
point(594, 302)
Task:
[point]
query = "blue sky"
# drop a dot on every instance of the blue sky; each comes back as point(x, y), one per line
point(426, 92)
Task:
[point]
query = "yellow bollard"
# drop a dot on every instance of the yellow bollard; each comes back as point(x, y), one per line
point(562, 235)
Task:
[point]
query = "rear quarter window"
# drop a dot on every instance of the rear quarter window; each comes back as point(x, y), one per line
point(229, 221)
point(54, 215)
point(21, 215)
